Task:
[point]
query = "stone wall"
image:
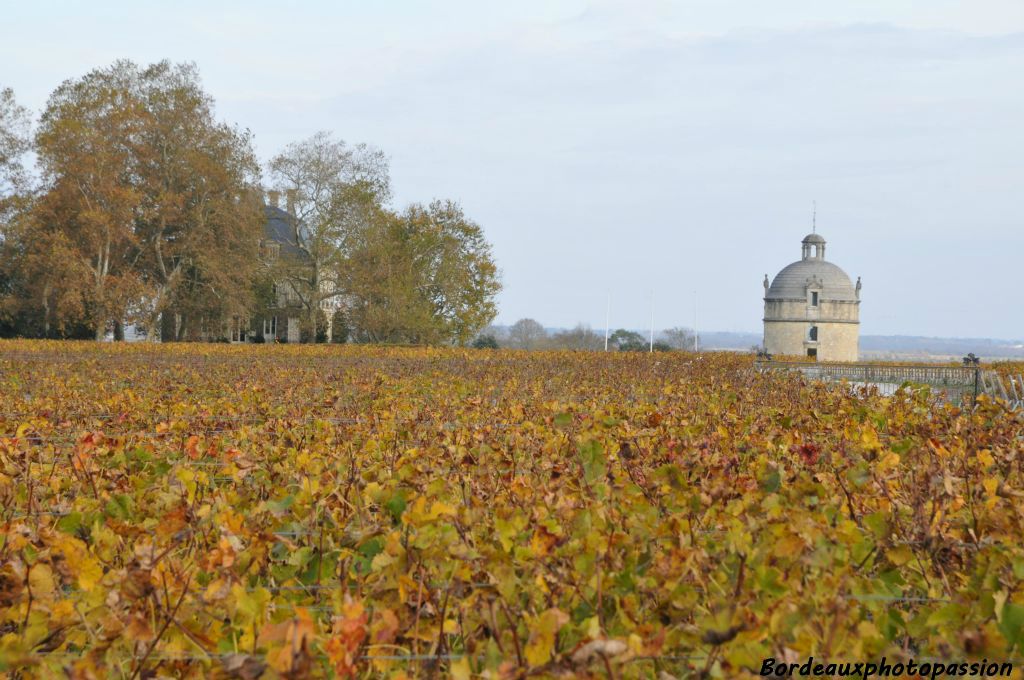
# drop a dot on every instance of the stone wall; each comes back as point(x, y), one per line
point(799, 310)
point(836, 341)
point(787, 325)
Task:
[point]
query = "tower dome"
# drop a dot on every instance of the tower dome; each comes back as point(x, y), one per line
point(811, 308)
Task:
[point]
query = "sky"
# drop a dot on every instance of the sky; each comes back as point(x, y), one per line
point(639, 149)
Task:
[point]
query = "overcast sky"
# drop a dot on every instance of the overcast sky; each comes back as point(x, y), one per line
point(620, 147)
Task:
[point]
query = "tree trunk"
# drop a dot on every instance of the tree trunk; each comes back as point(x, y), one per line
point(119, 331)
point(46, 311)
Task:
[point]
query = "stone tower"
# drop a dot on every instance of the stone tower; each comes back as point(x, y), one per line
point(812, 309)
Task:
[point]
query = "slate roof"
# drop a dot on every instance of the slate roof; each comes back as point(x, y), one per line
point(278, 228)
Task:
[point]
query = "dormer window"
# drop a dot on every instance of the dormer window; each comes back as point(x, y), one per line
point(271, 250)
point(814, 298)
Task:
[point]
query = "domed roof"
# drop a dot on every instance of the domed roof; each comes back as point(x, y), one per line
point(791, 283)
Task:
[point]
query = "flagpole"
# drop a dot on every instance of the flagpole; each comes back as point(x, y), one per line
point(696, 346)
point(607, 319)
point(652, 322)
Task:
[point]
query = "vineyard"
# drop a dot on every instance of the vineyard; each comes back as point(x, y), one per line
point(295, 511)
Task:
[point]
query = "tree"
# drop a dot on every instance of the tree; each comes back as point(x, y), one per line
point(579, 338)
point(333, 191)
point(14, 144)
point(154, 198)
point(14, 198)
point(88, 146)
point(627, 341)
point(526, 334)
point(42, 282)
point(426, 276)
point(678, 338)
point(455, 270)
point(485, 341)
point(199, 221)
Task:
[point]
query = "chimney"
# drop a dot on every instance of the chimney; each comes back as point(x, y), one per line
point(272, 197)
point(290, 201)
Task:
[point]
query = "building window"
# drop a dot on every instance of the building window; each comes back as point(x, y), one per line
point(270, 326)
point(812, 334)
point(814, 298)
point(271, 251)
point(237, 330)
point(812, 353)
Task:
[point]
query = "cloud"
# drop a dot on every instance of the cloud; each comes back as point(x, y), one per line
point(651, 144)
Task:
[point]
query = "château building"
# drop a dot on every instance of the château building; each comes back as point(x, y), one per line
point(811, 308)
point(285, 263)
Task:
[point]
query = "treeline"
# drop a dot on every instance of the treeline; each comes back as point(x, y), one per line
point(531, 334)
point(141, 203)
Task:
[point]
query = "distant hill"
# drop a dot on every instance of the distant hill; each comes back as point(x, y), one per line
point(892, 346)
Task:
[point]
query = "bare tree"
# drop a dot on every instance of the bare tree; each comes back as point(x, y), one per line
point(678, 338)
point(14, 143)
point(526, 334)
point(330, 188)
point(580, 337)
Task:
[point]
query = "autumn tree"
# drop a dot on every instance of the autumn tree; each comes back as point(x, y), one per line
point(88, 145)
point(40, 282)
point(199, 219)
point(424, 276)
point(332, 191)
point(151, 195)
point(14, 143)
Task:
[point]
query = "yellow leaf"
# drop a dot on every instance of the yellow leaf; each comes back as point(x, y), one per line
point(985, 458)
point(40, 577)
point(460, 669)
point(900, 556)
point(542, 636)
point(440, 508)
point(869, 438)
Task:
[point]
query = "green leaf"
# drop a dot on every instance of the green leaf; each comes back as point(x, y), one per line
point(878, 523)
point(119, 507)
point(859, 474)
point(593, 459)
point(70, 523)
point(1011, 623)
point(396, 505)
point(300, 557)
point(279, 507)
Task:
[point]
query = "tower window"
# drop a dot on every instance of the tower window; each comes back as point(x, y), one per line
point(814, 298)
point(812, 335)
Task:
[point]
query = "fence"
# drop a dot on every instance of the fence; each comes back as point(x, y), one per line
point(1012, 391)
point(954, 384)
